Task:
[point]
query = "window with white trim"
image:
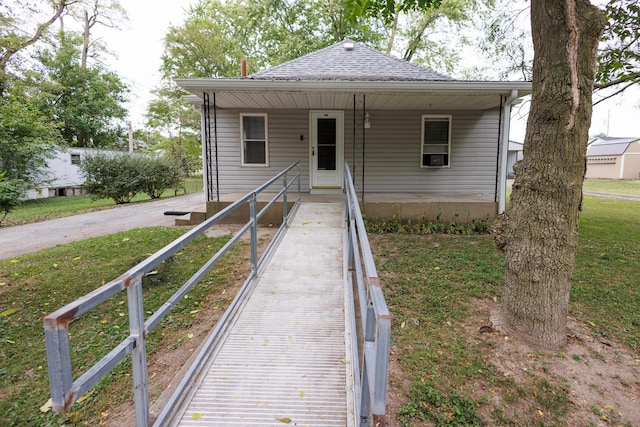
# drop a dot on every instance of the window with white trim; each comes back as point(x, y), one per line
point(254, 139)
point(435, 141)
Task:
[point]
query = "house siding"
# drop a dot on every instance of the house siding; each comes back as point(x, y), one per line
point(392, 151)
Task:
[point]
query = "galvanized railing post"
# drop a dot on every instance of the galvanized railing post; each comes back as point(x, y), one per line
point(299, 179)
point(254, 233)
point(59, 361)
point(138, 354)
point(284, 200)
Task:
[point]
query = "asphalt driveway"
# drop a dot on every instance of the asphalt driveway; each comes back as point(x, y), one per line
point(22, 239)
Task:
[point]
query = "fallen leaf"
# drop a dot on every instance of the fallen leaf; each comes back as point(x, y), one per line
point(151, 273)
point(591, 323)
point(8, 341)
point(193, 311)
point(345, 362)
point(284, 420)
point(77, 258)
point(402, 325)
point(189, 336)
point(3, 284)
point(302, 393)
point(47, 406)
point(196, 415)
point(9, 312)
point(14, 261)
point(126, 239)
point(304, 223)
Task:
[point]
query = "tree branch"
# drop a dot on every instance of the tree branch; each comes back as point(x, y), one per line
point(615, 93)
point(59, 8)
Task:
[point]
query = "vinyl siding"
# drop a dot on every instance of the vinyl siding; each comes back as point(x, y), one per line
point(392, 154)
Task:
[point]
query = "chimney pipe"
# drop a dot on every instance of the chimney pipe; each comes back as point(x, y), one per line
point(243, 72)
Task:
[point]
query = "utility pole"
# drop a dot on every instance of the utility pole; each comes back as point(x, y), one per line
point(130, 138)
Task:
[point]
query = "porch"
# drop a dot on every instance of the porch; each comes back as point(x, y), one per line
point(462, 208)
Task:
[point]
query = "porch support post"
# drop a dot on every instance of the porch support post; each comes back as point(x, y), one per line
point(504, 147)
point(215, 133)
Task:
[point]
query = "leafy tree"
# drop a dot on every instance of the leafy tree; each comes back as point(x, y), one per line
point(619, 60)
point(28, 136)
point(85, 101)
point(11, 192)
point(539, 230)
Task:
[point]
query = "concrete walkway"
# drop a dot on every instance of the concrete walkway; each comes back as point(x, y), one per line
point(22, 239)
point(286, 360)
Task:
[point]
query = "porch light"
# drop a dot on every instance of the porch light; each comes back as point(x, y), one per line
point(367, 121)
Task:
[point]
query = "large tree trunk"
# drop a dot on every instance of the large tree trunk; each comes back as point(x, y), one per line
point(539, 231)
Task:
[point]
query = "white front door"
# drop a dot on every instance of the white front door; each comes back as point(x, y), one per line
point(327, 149)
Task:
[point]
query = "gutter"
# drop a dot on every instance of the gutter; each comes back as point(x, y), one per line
point(196, 86)
point(504, 147)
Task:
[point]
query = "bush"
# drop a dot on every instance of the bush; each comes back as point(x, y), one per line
point(112, 176)
point(160, 174)
point(11, 193)
point(120, 177)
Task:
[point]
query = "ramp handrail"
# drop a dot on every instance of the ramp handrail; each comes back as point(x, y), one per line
point(372, 335)
point(64, 390)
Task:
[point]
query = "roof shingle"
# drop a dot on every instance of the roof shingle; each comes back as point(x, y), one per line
point(348, 61)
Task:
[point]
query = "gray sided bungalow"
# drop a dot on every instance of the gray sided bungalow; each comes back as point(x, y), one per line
point(418, 143)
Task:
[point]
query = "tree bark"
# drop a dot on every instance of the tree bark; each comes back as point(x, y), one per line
point(539, 231)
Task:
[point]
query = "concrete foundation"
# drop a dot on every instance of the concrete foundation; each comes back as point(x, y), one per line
point(462, 208)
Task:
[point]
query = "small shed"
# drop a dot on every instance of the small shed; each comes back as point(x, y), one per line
point(614, 158)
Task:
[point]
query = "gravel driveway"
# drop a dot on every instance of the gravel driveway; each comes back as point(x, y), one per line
point(28, 238)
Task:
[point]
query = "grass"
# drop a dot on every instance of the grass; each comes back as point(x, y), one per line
point(35, 285)
point(628, 187)
point(57, 207)
point(431, 285)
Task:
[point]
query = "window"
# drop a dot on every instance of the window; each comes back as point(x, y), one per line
point(436, 141)
point(253, 138)
point(75, 159)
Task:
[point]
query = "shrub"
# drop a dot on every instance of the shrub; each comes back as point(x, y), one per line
point(161, 174)
point(122, 176)
point(11, 193)
point(117, 177)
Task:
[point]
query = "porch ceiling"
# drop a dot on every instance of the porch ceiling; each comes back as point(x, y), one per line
point(442, 95)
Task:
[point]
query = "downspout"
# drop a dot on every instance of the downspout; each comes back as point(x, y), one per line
point(495, 189)
point(504, 146)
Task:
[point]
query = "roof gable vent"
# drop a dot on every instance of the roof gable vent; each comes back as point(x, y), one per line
point(348, 46)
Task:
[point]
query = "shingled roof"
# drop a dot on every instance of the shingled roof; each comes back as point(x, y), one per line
point(349, 61)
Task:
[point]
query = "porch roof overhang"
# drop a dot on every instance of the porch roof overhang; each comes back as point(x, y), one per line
point(338, 94)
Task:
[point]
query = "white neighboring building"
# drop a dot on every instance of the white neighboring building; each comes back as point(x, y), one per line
point(64, 177)
point(514, 155)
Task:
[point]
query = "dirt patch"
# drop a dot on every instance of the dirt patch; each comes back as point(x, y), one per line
point(599, 377)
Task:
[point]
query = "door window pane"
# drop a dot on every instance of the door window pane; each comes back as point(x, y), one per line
point(327, 144)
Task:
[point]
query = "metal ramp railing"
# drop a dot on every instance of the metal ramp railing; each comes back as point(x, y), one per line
point(65, 391)
point(372, 334)
point(370, 319)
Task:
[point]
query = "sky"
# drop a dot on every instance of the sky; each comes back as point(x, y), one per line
point(139, 46)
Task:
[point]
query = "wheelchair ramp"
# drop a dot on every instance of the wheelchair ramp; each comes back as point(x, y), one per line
point(286, 360)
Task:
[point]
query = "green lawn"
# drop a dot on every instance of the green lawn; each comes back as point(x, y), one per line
point(57, 207)
point(35, 285)
point(433, 284)
point(628, 187)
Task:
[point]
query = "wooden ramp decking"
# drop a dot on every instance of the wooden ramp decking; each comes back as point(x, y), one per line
point(286, 360)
